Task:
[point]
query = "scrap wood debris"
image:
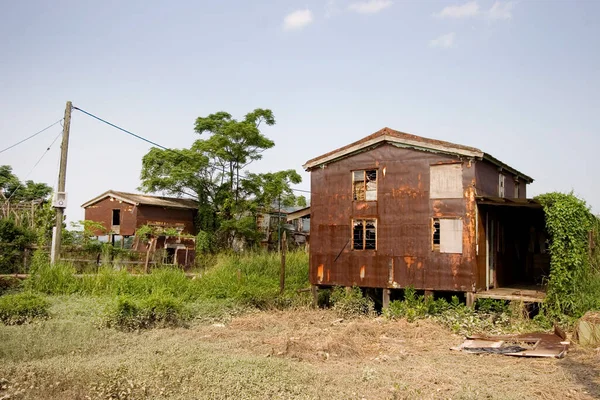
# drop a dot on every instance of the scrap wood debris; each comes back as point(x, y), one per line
point(525, 345)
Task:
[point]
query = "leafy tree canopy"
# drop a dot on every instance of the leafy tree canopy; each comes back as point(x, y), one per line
point(15, 190)
point(215, 171)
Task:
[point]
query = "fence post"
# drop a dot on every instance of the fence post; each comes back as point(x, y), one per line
point(282, 271)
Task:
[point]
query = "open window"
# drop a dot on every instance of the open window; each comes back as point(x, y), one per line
point(364, 234)
point(364, 185)
point(116, 217)
point(447, 235)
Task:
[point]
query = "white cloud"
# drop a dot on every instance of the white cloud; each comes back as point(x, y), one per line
point(501, 10)
point(297, 19)
point(466, 10)
point(370, 6)
point(445, 41)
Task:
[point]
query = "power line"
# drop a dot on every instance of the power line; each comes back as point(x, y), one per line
point(153, 143)
point(123, 130)
point(32, 136)
point(35, 165)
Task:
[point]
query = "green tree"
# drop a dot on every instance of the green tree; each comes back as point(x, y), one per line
point(13, 240)
point(215, 171)
point(15, 190)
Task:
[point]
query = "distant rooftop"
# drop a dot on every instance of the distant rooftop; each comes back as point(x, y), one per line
point(145, 199)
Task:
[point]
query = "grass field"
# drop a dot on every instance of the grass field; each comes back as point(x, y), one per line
point(232, 351)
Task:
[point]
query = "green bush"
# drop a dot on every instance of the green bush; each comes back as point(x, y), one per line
point(16, 309)
point(156, 311)
point(51, 279)
point(13, 240)
point(574, 281)
point(351, 303)
point(416, 306)
point(251, 279)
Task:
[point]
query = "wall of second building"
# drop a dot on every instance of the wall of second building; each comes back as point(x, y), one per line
point(404, 213)
point(167, 217)
point(102, 212)
point(487, 181)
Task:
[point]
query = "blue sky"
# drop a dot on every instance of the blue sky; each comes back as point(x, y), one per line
point(517, 79)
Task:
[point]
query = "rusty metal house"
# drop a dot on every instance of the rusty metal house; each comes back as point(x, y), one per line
point(121, 214)
point(395, 210)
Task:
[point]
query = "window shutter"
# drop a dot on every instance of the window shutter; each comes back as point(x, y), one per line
point(451, 235)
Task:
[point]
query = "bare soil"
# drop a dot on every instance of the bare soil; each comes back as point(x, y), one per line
point(304, 354)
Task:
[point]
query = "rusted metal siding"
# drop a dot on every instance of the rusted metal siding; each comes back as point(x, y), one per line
point(404, 213)
point(102, 212)
point(167, 217)
point(487, 181)
point(132, 217)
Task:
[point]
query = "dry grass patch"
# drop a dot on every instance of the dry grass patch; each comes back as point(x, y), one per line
point(302, 354)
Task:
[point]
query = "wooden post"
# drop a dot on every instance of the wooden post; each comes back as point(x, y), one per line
point(62, 179)
point(386, 298)
point(315, 295)
point(282, 270)
point(470, 299)
point(146, 264)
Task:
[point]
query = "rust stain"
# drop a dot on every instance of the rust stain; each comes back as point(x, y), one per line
point(362, 272)
point(419, 265)
point(328, 275)
point(320, 273)
point(409, 261)
point(455, 261)
point(406, 192)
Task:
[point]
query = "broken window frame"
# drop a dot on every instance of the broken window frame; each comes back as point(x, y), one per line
point(366, 237)
point(367, 191)
point(435, 234)
point(437, 231)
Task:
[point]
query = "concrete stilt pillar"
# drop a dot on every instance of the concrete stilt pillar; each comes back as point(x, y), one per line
point(470, 297)
point(386, 298)
point(315, 295)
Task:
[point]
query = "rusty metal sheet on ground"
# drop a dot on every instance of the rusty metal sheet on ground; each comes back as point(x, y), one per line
point(552, 345)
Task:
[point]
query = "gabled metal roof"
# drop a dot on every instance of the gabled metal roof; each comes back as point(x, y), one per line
point(137, 199)
point(401, 139)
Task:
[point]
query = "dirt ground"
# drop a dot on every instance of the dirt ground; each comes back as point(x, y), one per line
point(304, 354)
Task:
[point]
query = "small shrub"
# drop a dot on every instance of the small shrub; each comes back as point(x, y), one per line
point(52, 279)
point(155, 311)
point(17, 309)
point(492, 306)
point(415, 306)
point(351, 303)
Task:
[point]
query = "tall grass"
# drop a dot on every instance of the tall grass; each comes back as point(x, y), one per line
point(252, 277)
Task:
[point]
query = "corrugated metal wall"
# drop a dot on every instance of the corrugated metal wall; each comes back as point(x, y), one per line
point(404, 212)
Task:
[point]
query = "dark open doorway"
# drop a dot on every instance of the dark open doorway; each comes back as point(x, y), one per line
point(512, 243)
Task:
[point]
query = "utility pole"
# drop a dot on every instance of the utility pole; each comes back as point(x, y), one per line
point(62, 179)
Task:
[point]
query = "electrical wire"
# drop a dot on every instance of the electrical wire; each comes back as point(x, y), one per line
point(152, 143)
point(30, 137)
point(35, 165)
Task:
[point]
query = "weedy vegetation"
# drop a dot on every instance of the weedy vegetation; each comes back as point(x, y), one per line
point(21, 308)
point(574, 281)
